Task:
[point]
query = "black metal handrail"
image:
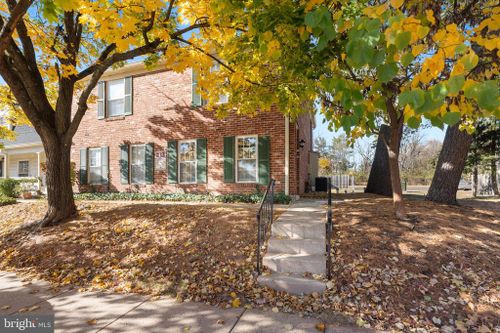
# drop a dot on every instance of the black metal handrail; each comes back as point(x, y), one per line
point(329, 232)
point(264, 220)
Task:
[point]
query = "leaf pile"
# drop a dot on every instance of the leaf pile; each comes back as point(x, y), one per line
point(439, 278)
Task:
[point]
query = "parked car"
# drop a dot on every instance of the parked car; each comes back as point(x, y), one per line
point(464, 185)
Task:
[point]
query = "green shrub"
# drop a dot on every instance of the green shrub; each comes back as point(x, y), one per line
point(9, 187)
point(4, 200)
point(279, 198)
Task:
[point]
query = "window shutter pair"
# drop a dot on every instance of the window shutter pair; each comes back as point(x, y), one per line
point(195, 95)
point(201, 161)
point(148, 164)
point(263, 159)
point(104, 165)
point(101, 98)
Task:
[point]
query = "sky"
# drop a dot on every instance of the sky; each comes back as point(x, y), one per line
point(432, 133)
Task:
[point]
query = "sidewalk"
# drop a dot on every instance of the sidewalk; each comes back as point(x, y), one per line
point(110, 312)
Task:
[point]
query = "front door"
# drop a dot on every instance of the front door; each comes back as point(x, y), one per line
point(1, 168)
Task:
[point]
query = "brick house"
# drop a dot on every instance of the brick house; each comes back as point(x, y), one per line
point(148, 133)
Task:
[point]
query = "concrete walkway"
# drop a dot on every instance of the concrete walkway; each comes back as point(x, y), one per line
point(296, 249)
point(110, 312)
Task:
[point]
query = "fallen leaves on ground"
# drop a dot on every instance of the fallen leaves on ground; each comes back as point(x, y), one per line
point(439, 278)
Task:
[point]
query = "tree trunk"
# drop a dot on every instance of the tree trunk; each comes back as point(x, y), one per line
point(379, 180)
point(393, 157)
point(450, 166)
point(475, 173)
point(494, 184)
point(61, 204)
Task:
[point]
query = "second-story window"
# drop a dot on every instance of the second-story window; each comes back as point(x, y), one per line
point(115, 97)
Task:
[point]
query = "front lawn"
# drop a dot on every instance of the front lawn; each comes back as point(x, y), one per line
point(441, 277)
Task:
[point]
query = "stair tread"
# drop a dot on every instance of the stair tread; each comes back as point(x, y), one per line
point(295, 256)
point(280, 238)
point(292, 284)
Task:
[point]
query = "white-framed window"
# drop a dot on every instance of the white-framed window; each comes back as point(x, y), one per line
point(138, 164)
point(23, 169)
point(95, 166)
point(246, 159)
point(115, 97)
point(187, 161)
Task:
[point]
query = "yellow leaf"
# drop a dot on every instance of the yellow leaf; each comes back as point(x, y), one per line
point(236, 303)
point(491, 44)
point(397, 3)
point(268, 35)
point(429, 14)
point(380, 9)
point(454, 108)
point(417, 49)
point(320, 327)
point(312, 3)
point(92, 321)
point(458, 69)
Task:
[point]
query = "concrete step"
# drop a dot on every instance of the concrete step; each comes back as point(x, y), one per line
point(313, 219)
point(295, 263)
point(298, 229)
point(291, 284)
point(296, 246)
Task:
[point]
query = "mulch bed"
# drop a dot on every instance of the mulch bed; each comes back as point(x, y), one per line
point(443, 276)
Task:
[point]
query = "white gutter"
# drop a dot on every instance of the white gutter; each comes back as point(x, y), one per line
point(287, 155)
point(22, 145)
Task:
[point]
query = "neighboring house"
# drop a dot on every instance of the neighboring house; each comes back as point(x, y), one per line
point(148, 133)
point(22, 157)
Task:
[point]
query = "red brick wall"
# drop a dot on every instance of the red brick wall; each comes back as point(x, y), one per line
point(162, 112)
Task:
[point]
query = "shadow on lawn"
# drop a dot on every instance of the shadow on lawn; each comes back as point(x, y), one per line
point(205, 253)
point(455, 244)
point(151, 248)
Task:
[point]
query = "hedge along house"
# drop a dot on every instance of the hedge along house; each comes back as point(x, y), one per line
point(22, 158)
point(148, 132)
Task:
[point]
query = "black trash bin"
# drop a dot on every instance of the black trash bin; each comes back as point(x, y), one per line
point(321, 184)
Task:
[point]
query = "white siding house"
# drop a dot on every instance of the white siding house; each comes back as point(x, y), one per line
point(22, 157)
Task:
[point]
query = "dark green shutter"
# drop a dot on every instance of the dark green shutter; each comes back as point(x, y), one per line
point(172, 161)
point(229, 159)
point(101, 100)
point(83, 166)
point(149, 154)
point(196, 97)
point(201, 156)
point(264, 160)
point(104, 165)
point(124, 168)
point(128, 96)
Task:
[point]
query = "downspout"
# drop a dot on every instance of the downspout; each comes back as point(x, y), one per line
point(287, 155)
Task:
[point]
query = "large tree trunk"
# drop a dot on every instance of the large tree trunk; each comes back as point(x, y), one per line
point(450, 166)
point(61, 204)
point(379, 180)
point(493, 169)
